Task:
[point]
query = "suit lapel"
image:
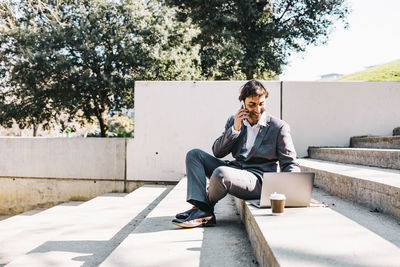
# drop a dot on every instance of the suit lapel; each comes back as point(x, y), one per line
point(242, 139)
point(260, 136)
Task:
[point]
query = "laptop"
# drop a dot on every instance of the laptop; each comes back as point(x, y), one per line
point(296, 186)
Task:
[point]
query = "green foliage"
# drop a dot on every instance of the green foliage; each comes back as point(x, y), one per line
point(253, 38)
point(385, 72)
point(82, 57)
point(121, 125)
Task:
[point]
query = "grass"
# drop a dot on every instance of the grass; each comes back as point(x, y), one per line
point(385, 72)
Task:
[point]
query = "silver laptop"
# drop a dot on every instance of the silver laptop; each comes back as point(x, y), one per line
point(296, 186)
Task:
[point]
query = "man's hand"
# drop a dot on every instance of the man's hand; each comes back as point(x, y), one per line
point(239, 117)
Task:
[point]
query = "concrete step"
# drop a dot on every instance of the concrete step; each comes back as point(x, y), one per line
point(383, 158)
point(84, 234)
point(10, 218)
point(384, 142)
point(157, 242)
point(343, 234)
point(30, 223)
point(25, 219)
point(376, 188)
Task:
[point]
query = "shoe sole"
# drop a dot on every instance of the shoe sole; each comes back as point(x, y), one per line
point(204, 222)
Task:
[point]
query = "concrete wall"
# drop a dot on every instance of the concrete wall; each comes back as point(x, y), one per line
point(329, 113)
point(173, 117)
point(87, 158)
point(42, 172)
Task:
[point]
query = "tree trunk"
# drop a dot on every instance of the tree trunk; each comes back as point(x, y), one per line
point(35, 128)
point(249, 73)
point(103, 123)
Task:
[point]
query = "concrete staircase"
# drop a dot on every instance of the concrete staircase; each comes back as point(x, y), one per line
point(367, 173)
point(84, 230)
point(157, 242)
point(355, 218)
point(338, 233)
point(135, 230)
point(355, 222)
point(124, 230)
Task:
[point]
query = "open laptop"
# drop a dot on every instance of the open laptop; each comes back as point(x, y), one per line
point(296, 186)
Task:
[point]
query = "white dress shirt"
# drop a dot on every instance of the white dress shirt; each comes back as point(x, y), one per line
point(252, 132)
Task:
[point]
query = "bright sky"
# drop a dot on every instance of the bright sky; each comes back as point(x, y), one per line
point(372, 39)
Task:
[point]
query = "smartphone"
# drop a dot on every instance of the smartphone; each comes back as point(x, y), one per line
point(244, 106)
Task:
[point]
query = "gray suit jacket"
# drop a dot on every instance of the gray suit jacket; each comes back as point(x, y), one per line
point(273, 144)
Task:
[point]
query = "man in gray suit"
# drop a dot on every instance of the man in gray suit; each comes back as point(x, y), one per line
point(259, 143)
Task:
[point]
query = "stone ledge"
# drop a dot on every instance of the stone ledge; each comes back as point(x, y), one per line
point(385, 142)
point(314, 236)
point(372, 187)
point(383, 158)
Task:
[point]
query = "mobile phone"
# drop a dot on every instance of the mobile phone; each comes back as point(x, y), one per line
point(244, 104)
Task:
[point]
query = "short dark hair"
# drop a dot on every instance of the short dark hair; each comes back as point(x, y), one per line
point(252, 88)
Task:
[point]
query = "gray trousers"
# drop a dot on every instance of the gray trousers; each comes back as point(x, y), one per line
point(224, 179)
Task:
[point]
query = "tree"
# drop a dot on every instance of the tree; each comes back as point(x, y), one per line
point(82, 57)
point(23, 71)
point(253, 38)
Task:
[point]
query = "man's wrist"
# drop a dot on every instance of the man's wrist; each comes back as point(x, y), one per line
point(235, 132)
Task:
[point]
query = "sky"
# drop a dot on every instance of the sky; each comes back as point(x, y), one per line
point(373, 38)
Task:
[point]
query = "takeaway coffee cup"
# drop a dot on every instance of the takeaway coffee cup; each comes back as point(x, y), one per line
point(277, 203)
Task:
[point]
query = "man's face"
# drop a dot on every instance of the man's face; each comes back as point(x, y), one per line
point(256, 106)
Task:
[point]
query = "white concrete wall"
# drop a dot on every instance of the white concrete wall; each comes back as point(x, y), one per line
point(329, 113)
point(91, 158)
point(173, 117)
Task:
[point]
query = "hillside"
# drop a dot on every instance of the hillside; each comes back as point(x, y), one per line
point(385, 72)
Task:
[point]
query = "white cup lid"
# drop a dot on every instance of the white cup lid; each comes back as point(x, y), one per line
point(277, 196)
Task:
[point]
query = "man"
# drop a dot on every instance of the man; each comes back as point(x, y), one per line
point(259, 143)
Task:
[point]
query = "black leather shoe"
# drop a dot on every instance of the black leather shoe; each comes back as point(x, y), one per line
point(186, 214)
point(197, 218)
